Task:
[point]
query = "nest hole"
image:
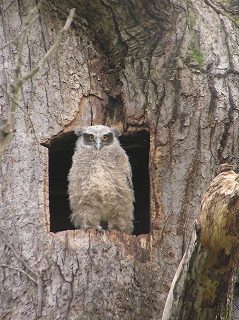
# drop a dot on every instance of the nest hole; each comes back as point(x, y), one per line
point(61, 150)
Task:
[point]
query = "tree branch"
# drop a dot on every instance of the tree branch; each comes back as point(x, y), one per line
point(7, 125)
point(20, 270)
point(38, 281)
point(13, 99)
point(51, 50)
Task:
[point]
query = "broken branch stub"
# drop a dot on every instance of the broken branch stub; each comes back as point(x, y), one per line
point(219, 217)
point(200, 285)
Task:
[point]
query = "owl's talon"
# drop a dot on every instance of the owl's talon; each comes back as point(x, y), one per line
point(85, 227)
point(110, 227)
point(100, 229)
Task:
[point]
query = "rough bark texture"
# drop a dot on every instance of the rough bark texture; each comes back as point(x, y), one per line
point(200, 286)
point(168, 66)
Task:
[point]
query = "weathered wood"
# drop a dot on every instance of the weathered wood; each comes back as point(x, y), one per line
point(200, 286)
point(168, 66)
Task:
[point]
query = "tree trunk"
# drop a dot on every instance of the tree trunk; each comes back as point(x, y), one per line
point(167, 67)
point(202, 281)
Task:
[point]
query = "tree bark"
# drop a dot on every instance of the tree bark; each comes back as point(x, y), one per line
point(200, 286)
point(170, 67)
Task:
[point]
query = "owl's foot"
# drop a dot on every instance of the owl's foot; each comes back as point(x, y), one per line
point(126, 229)
point(100, 229)
point(85, 227)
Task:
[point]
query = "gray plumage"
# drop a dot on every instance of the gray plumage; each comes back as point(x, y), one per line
point(100, 181)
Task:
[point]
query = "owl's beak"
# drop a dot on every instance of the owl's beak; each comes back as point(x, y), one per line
point(98, 144)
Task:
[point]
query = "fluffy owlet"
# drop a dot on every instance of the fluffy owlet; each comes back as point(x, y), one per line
point(100, 181)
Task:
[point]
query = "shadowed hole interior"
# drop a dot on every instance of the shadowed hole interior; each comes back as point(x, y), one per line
point(61, 150)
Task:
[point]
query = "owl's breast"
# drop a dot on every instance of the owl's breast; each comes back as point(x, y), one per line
point(102, 178)
point(106, 180)
point(101, 173)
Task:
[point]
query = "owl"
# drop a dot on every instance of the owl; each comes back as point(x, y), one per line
point(100, 181)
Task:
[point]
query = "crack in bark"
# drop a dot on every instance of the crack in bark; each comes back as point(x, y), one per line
point(226, 132)
point(176, 103)
point(2, 11)
point(70, 297)
point(40, 292)
point(227, 43)
point(70, 289)
point(117, 29)
point(43, 40)
point(60, 83)
point(92, 95)
point(159, 105)
point(214, 7)
point(191, 173)
point(228, 9)
point(213, 91)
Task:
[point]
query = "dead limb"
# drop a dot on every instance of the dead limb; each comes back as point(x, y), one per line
point(200, 286)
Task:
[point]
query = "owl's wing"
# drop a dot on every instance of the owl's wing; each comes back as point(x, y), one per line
point(129, 180)
point(124, 166)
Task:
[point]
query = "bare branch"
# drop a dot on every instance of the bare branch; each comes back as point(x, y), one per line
point(51, 50)
point(20, 270)
point(8, 44)
point(13, 99)
point(25, 29)
point(37, 274)
point(6, 127)
point(6, 242)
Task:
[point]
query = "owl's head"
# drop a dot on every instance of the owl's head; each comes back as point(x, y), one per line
point(97, 136)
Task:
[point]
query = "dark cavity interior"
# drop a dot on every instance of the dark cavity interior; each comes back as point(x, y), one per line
point(61, 150)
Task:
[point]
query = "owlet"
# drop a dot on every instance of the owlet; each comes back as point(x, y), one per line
point(100, 181)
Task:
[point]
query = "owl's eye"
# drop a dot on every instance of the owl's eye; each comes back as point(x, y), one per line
point(91, 137)
point(105, 137)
